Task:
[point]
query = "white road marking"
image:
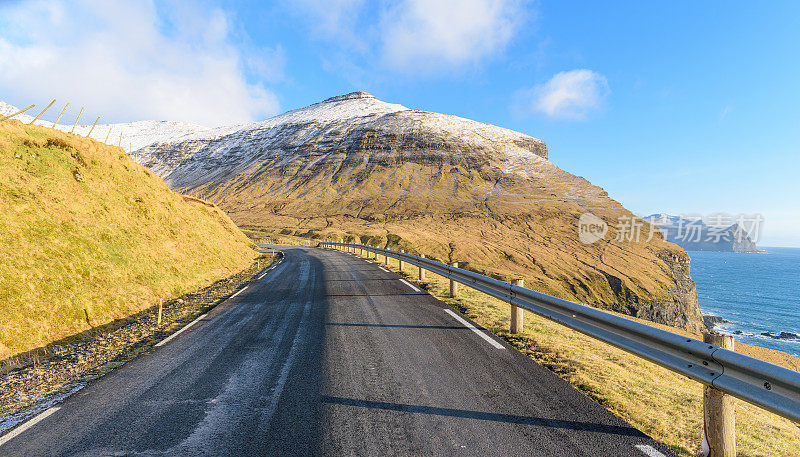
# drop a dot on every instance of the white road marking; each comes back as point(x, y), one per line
point(274, 264)
point(13, 433)
point(410, 285)
point(650, 451)
point(466, 324)
point(167, 339)
point(240, 291)
point(384, 269)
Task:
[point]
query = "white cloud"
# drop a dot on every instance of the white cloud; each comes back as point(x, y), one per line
point(435, 34)
point(133, 60)
point(414, 36)
point(567, 95)
point(331, 19)
point(725, 112)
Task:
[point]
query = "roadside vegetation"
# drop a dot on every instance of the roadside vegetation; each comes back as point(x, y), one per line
point(663, 404)
point(71, 362)
point(89, 236)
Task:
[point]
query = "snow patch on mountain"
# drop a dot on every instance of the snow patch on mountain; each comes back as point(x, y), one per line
point(164, 146)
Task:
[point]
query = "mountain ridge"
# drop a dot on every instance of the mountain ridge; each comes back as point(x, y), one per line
point(354, 167)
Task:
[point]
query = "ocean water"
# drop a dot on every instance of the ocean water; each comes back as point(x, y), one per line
point(758, 293)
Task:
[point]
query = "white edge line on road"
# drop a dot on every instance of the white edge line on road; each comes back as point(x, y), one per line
point(185, 327)
point(410, 285)
point(13, 433)
point(274, 264)
point(384, 269)
point(240, 291)
point(650, 451)
point(466, 324)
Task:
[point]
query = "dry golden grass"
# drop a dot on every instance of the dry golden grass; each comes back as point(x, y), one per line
point(89, 236)
point(663, 404)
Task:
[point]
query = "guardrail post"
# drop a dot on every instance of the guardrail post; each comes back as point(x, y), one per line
point(453, 284)
point(400, 262)
point(422, 270)
point(719, 413)
point(516, 312)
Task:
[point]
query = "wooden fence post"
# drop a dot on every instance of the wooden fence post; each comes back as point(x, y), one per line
point(453, 284)
point(60, 114)
point(719, 411)
point(108, 134)
point(40, 114)
point(422, 270)
point(516, 312)
point(93, 125)
point(18, 112)
point(76, 120)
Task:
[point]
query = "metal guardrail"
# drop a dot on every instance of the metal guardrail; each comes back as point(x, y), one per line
point(769, 386)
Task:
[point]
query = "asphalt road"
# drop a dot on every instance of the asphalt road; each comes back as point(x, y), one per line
point(328, 354)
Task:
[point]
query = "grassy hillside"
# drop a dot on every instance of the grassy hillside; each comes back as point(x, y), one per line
point(89, 236)
point(492, 222)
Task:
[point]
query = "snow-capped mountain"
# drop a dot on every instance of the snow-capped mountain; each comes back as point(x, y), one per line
point(355, 167)
point(336, 124)
point(672, 219)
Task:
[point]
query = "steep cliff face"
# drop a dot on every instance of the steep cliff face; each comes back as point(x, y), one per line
point(356, 168)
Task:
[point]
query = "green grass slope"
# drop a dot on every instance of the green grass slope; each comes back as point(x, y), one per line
point(89, 236)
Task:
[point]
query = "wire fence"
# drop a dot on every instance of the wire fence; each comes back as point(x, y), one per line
point(76, 129)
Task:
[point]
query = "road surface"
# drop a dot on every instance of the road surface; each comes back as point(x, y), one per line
point(329, 354)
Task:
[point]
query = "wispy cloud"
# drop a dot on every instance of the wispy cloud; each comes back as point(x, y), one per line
point(415, 37)
point(341, 21)
point(725, 112)
point(134, 60)
point(570, 95)
point(426, 35)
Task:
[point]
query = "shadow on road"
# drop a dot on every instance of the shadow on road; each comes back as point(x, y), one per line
point(480, 415)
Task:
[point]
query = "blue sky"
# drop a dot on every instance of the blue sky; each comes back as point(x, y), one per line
point(682, 107)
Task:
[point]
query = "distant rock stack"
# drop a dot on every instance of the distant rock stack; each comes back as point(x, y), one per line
point(695, 235)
